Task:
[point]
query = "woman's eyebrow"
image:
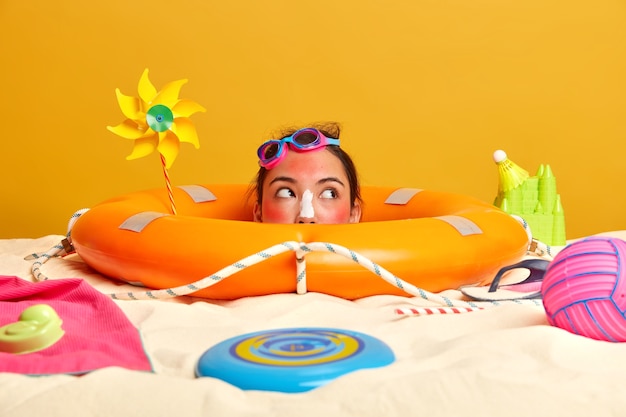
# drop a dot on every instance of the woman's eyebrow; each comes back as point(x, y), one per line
point(284, 179)
point(322, 181)
point(331, 179)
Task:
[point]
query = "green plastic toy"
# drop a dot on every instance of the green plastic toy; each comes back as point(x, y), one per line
point(39, 327)
point(535, 199)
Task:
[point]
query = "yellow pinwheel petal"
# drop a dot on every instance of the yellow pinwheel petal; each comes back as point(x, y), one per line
point(146, 90)
point(130, 106)
point(168, 96)
point(129, 129)
point(168, 147)
point(143, 146)
point(186, 131)
point(185, 108)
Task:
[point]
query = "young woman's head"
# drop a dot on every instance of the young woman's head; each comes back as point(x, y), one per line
point(305, 177)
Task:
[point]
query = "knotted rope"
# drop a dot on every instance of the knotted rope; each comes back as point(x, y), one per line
point(301, 250)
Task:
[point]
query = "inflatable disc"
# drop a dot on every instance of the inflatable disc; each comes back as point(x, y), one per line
point(292, 360)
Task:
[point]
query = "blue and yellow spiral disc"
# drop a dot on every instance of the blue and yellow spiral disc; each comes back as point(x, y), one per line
point(292, 360)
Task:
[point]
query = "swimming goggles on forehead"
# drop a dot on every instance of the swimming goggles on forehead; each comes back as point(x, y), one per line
point(304, 140)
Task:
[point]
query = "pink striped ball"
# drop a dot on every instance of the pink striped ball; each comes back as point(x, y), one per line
point(584, 289)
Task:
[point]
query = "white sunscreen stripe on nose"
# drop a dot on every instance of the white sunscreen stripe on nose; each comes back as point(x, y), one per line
point(306, 205)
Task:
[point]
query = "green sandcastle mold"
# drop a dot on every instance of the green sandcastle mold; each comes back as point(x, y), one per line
point(536, 200)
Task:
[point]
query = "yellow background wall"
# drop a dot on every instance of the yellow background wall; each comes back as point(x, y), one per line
point(425, 90)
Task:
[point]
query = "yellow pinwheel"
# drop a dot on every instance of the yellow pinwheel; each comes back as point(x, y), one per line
point(157, 120)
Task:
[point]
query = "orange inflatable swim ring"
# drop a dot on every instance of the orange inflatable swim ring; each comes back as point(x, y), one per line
point(433, 240)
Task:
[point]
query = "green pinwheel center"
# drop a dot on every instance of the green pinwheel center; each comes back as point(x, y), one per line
point(159, 118)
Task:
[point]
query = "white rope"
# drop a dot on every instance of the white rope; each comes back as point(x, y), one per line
point(300, 249)
point(73, 219)
point(41, 258)
point(62, 248)
point(535, 246)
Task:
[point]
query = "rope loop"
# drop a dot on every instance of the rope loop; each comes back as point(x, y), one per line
point(300, 250)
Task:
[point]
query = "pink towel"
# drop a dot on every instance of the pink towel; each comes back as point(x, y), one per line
point(97, 333)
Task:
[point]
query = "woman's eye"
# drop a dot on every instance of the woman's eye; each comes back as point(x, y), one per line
point(285, 193)
point(328, 194)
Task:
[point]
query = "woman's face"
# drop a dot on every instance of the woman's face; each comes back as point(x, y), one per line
point(308, 187)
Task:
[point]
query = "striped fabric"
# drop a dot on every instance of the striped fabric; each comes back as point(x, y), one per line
point(97, 333)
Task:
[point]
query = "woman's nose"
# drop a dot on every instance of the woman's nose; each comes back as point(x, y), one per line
point(307, 211)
